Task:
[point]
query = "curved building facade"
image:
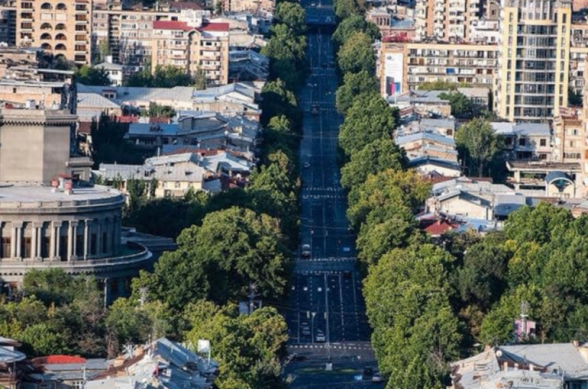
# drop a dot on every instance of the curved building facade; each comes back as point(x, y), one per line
point(51, 216)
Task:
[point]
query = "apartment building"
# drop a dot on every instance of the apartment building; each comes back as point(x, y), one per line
point(127, 35)
point(403, 66)
point(248, 5)
point(534, 55)
point(8, 22)
point(446, 20)
point(59, 27)
point(205, 47)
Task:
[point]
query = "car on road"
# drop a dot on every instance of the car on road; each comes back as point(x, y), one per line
point(306, 165)
point(305, 251)
point(304, 329)
point(320, 337)
point(377, 378)
point(297, 357)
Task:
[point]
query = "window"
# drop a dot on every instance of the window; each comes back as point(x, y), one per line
point(5, 248)
point(178, 184)
point(543, 142)
point(522, 142)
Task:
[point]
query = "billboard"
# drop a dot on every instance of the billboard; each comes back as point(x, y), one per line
point(393, 73)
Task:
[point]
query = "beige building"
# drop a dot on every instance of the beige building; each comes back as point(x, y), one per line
point(248, 5)
point(403, 66)
point(445, 20)
point(191, 48)
point(59, 27)
point(534, 51)
point(127, 34)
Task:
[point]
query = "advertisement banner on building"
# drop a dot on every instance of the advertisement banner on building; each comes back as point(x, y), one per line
point(393, 73)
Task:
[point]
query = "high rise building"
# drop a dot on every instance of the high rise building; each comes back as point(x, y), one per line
point(57, 26)
point(445, 20)
point(534, 52)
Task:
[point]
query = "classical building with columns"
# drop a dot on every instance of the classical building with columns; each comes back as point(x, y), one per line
point(51, 216)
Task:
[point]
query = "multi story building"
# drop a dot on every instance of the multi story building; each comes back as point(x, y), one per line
point(248, 5)
point(403, 66)
point(534, 52)
point(445, 19)
point(59, 27)
point(193, 48)
point(8, 22)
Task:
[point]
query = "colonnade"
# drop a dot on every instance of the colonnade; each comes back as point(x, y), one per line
point(65, 240)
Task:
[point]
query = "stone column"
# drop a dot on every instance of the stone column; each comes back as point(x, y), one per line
point(18, 239)
point(39, 241)
point(35, 240)
point(71, 240)
point(13, 238)
point(55, 240)
point(87, 243)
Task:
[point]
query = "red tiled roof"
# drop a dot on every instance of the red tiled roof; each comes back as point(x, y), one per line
point(437, 227)
point(215, 27)
point(58, 359)
point(171, 25)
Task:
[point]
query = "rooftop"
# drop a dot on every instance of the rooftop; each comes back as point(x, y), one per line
point(36, 193)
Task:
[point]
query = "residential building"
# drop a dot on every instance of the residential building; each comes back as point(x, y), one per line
point(247, 5)
point(428, 166)
point(8, 22)
point(525, 141)
point(393, 28)
point(476, 199)
point(404, 66)
point(427, 143)
point(446, 20)
point(550, 366)
point(248, 65)
point(116, 72)
point(59, 27)
point(534, 53)
point(194, 48)
point(175, 175)
point(419, 103)
point(161, 364)
point(51, 215)
point(554, 179)
point(569, 138)
point(227, 100)
point(127, 34)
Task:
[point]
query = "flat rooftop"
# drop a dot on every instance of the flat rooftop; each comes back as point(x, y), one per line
point(543, 166)
point(38, 193)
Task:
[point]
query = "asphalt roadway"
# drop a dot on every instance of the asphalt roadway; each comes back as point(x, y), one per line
point(326, 290)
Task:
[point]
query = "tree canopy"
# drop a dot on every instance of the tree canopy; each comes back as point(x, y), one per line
point(369, 118)
point(478, 144)
point(292, 15)
point(351, 25)
point(355, 85)
point(88, 75)
point(162, 77)
point(461, 106)
point(357, 54)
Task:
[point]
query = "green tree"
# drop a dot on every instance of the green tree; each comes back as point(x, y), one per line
point(354, 85)
point(278, 100)
point(351, 25)
point(248, 348)
point(441, 85)
point(357, 54)
point(92, 76)
point(286, 51)
point(478, 144)
point(461, 105)
point(369, 118)
point(162, 77)
point(415, 331)
point(231, 250)
point(348, 8)
point(200, 81)
point(292, 15)
point(109, 145)
point(379, 155)
point(383, 192)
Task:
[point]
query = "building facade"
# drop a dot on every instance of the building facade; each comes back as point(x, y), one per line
point(51, 216)
point(446, 20)
point(534, 53)
point(204, 48)
point(59, 27)
point(404, 66)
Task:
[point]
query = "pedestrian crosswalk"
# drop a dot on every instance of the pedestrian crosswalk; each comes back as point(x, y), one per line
point(331, 346)
point(340, 197)
point(320, 272)
point(327, 189)
point(331, 259)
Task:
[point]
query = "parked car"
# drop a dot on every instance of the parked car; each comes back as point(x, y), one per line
point(304, 329)
point(305, 253)
point(306, 165)
point(377, 378)
point(320, 337)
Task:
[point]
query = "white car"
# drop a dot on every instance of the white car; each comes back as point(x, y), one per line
point(320, 337)
point(305, 251)
point(377, 378)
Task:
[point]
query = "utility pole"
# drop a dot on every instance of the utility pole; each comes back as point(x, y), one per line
point(524, 308)
point(251, 295)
